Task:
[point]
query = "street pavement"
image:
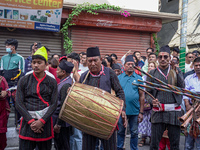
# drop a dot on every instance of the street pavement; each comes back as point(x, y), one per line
point(147, 146)
point(13, 140)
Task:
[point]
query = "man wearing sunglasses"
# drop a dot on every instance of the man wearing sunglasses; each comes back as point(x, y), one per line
point(188, 62)
point(166, 106)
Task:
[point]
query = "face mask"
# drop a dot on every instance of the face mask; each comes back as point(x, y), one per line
point(8, 50)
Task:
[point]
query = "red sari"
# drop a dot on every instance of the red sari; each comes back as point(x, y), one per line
point(4, 113)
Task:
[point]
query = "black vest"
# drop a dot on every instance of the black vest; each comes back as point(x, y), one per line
point(104, 84)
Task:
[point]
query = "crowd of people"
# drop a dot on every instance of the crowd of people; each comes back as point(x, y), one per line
point(37, 87)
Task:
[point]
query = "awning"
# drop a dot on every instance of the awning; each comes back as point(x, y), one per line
point(165, 17)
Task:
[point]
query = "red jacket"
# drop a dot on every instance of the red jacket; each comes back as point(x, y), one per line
point(53, 71)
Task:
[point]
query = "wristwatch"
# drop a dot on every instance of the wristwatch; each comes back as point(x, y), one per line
point(142, 113)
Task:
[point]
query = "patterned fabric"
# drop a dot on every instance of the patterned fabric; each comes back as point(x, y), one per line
point(60, 102)
point(89, 142)
point(157, 130)
point(170, 117)
point(63, 95)
point(144, 127)
point(31, 145)
point(188, 128)
point(32, 95)
point(103, 79)
point(61, 140)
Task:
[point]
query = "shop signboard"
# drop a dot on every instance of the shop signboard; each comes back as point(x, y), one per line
point(31, 14)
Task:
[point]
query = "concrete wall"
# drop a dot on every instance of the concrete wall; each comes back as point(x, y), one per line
point(168, 30)
point(148, 5)
point(170, 33)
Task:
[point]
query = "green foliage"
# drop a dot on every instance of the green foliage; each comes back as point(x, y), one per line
point(85, 7)
point(156, 43)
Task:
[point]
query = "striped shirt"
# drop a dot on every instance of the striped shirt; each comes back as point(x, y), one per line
point(33, 95)
point(168, 117)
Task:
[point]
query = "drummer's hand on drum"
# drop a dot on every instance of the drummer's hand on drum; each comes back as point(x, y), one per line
point(124, 119)
point(68, 90)
point(57, 128)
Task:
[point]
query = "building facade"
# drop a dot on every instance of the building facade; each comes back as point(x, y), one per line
point(114, 33)
point(110, 31)
point(170, 32)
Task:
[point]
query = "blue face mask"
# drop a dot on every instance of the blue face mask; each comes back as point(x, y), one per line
point(8, 50)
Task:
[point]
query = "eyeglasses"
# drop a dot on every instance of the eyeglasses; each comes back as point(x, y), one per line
point(161, 56)
point(190, 57)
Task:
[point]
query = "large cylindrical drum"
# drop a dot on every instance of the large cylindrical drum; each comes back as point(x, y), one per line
point(91, 110)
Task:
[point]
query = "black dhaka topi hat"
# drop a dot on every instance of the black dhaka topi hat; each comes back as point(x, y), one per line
point(67, 66)
point(165, 49)
point(93, 51)
point(116, 66)
point(129, 58)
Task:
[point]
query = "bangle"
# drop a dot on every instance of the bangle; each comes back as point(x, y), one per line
point(141, 113)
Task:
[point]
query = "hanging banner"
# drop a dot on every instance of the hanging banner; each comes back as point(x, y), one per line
point(31, 14)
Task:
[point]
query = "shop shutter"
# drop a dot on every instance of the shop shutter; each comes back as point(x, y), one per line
point(109, 40)
point(27, 37)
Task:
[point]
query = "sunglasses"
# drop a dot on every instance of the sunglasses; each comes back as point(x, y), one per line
point(190, 57)
point(165, 57)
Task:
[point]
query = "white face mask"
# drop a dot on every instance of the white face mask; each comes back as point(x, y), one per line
point(9, 50)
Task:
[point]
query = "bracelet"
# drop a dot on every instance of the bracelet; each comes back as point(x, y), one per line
point(142, 113)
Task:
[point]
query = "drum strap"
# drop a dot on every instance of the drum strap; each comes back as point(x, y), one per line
point(85, 77)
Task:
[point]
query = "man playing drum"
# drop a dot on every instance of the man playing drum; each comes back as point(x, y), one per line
point(103, 78)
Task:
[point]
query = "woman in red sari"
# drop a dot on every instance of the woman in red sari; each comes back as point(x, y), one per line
point(4, 111)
